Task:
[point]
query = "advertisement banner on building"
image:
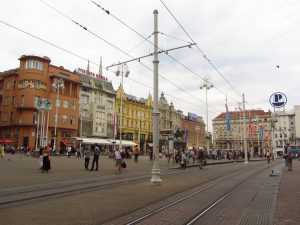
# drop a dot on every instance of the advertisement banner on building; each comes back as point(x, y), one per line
point(192, 116)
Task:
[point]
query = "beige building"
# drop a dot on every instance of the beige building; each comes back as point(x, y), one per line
point(259, 139)
point(97, 105)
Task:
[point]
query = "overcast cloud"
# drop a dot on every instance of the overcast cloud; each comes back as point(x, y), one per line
point(244, 39)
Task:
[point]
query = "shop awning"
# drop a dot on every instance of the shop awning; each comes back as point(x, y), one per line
point(124, 142)
point(96, 141)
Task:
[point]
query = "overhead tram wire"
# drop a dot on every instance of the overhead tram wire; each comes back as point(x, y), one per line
point(112, 45)
point(80, 57)
point(109, 13)
point(166, 93)
point(204, 56)
point(47, 42)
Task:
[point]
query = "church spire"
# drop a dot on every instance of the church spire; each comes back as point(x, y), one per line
point(88, 66)
point(100, 67)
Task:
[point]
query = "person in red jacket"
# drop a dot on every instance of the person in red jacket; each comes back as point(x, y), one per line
point(136, 153)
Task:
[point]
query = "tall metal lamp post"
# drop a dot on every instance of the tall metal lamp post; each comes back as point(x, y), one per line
point(207, 85)
point(122, 70)
point(57, 84)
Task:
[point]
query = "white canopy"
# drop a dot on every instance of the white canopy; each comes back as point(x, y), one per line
point(124, 142)
point(104, 141)
point(93, 141)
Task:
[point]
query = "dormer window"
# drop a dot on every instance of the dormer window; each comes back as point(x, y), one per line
point(33, 64)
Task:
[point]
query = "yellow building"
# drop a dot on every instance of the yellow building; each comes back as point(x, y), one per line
point(137, 118)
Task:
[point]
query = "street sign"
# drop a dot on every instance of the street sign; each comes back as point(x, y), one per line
point(278, 99)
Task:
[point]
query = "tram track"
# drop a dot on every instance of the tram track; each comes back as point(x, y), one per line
point(10, 197)
point(160, 212)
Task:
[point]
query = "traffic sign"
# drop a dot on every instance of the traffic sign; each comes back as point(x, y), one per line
point(278, 99)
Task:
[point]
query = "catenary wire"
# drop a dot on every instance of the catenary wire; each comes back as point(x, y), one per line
point(112, 45)
point(193, 72)
point(47, 42)
point(76, 55)
point(209, 61)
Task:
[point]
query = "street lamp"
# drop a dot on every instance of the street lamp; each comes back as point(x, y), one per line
point(122, 70)
point(207, 85)
point(57, 83)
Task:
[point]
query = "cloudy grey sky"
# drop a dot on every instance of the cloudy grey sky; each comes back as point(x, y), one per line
point(244, 39)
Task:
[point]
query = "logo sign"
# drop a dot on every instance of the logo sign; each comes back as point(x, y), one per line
point(278, 99)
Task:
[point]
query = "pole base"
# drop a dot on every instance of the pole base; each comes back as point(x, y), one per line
point(156, 177)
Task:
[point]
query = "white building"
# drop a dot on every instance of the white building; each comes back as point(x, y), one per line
point(97, 102)
point(285, 129)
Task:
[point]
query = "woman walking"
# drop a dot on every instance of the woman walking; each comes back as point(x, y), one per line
point(46, 160)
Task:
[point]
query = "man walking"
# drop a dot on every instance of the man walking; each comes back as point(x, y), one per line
point(96, 157)
point(201, 158)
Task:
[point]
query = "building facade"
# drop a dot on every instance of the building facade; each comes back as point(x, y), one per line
point(137, 118)
point(285, 130)
point(20, 92)
point(192, 131)
point(258, 130)
point(169, 122)
point(97, 105)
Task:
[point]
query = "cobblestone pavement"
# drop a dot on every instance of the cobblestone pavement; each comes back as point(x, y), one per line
point(85, 208)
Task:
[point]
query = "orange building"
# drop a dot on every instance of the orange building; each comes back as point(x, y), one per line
point(20, 91)
point(193, 131)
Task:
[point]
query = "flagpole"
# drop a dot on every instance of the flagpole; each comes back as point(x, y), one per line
point(227, 126)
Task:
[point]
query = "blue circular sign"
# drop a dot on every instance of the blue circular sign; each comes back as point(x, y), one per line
point(278, 99)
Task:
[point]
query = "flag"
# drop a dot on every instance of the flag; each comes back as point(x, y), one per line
point(228, 118)
point(261, 131)
point(251, 128)
point(186, 136)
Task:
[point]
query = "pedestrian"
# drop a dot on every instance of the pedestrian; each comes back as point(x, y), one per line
point(268, 155)
point(119, 160)
point(41, 158)
point(86, 159)
point(96, 157)
point(2, 150)
point(183, 160)
point(201, 157)
point(69, 150)
point(136, 153)
point(289, 158)
point(46, 160)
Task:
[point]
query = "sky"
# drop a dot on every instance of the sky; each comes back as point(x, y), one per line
point(246, 47)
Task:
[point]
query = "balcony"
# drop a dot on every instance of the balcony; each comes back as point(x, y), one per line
point(100, 107)
point(24, 106)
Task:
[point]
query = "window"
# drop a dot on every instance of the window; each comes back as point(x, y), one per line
point(22, 100)
point(11, 116)
point(73, 105)
point(33, 64)
point(110, 105)
point(20, 117)
point(36, 99)
point(3, 116)
point(13, 101)
point(7, 85)
point(72, 120)
point(65, 104)
point(6, 99)
point(64, 119)
point(85, 99)
point(15, 85)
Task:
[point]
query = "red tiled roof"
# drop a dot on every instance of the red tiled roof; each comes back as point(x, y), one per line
point(236, 114)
